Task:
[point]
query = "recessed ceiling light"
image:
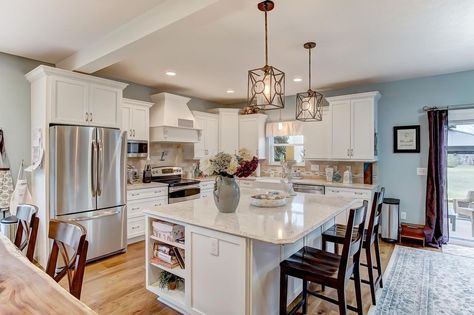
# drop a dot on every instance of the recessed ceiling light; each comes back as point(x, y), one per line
point(297, 79)
point(230, 91)
point(171, 73)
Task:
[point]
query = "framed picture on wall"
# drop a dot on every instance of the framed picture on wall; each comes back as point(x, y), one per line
point(406, 139)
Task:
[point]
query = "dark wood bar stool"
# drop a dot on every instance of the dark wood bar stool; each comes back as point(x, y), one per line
point(318, 266)
point(27, 229)
point(336, 234)
point(68, 237)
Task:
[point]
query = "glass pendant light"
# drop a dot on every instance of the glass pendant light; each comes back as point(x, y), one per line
point(309, 105)
point(266, 85)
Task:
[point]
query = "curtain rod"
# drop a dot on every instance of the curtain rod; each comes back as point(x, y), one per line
point(449, 107)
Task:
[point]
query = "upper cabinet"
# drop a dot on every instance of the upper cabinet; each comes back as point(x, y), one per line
point(135, 119)
point(208, 144)
point(318, 136)
point(354, 126)
point(228, 130)
point(76, 99)
point(348, 130)
point(252, 134)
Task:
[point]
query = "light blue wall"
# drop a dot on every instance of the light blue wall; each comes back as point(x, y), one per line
point(401, 104)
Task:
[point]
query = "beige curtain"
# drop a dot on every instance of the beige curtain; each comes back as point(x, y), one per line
point(284, 128)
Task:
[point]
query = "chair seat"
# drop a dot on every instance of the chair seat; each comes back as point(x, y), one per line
point(313, 265)
point(337, 232)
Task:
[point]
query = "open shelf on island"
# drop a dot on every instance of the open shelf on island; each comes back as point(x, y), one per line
point(175, 244)
point(176, 271)
point(173, 296)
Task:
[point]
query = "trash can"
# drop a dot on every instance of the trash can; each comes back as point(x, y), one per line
point(391, 220)
point(8, 227)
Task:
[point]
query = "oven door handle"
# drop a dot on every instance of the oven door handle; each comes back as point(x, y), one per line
point(180, 188)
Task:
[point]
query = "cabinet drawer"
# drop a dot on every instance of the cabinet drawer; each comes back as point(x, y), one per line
point(147, 193)
point(136, 227)
point(207, 185)
point(246, 183)
point(347, 192)
point(135, 208)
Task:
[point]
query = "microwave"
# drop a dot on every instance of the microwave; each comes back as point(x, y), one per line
point(137, 149)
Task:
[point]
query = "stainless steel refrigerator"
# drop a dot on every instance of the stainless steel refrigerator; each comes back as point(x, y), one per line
point(88, 184)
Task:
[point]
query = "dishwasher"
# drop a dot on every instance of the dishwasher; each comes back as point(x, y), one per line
point(309, 188)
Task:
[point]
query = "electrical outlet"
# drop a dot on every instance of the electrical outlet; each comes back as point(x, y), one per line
point(403, 215)
point(215, 247)
point(421, 171)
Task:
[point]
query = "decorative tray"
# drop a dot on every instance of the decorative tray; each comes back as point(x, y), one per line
point(269, 200)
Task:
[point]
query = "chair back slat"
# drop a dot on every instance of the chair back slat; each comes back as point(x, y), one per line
point(375, 214)
point(69, 240)
point(27, 229)
point(353, 240)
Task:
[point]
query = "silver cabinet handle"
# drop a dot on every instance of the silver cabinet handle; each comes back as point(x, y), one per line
point(90, 116)
point(131, 133)
point(136, 208)
point(134, 195)
point(87, 116)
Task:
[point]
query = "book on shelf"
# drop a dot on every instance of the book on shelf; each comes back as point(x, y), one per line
point(158, 261)
point(168, 231)
point(169, 255)
point(179, 257)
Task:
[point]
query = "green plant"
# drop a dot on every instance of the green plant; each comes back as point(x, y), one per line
point(453, 160)
point(166, 278)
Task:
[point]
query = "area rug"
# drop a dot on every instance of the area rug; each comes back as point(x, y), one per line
point(426, 282)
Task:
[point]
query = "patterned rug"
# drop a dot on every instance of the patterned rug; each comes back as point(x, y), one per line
point(426, 282)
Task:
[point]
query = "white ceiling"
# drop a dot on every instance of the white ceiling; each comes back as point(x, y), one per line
point(212, 47)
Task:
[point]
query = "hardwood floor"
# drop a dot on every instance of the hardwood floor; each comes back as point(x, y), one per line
point(116, 286)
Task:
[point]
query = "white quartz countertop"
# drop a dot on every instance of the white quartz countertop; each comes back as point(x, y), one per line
point(281, 225)
point(310, 181)
point(145, 186)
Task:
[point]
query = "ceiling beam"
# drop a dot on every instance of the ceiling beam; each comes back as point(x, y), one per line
point(112, 47)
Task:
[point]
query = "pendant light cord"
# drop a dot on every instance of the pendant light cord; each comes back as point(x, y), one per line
point(266, 36)
point(309, 70)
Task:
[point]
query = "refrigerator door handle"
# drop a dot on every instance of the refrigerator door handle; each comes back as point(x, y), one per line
point(107, 214)
point(100, 167)
point(94, 169)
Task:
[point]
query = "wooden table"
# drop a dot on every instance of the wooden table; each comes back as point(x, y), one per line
point(26, 289)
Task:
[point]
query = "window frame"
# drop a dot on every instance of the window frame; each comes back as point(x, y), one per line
point(271, 155)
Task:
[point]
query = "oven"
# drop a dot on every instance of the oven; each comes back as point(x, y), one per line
point(137, 148)
point(184, 193)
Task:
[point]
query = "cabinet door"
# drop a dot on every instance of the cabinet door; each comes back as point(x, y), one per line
point(229, 132)
point(199, 147)
point(363, 129)
point(104, 106)
point(225, 255)
point(140, 123)
point(211, 136)
point(126, 120)
point(69, 101)
point(343, 216)
point(341, 129)
point(318, 137)
point(248, 135)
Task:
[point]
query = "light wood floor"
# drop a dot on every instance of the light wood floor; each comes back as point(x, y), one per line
point(116, 286)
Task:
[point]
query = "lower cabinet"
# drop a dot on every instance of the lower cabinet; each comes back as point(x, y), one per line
point(222, 291)
point(363, 194)
point(207, 188)
point(138, 201)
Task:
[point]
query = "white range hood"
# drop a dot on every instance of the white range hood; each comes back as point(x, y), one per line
point(171, 120)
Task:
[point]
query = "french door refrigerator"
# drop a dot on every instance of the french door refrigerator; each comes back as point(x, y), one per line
point(88, 184)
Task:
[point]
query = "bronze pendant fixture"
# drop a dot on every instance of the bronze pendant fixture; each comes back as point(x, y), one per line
point(309, 105)
point(266, 85)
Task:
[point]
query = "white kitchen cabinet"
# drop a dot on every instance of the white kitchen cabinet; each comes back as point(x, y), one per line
point(252, 134)
point(209, 141)
point(137, 201)
point(318, 136)
point(207, 188)
point(354, 126)
point(363, 194)
point(135, 119)
point(69, 102)
point(228, 130)
point(224, 255)
point(104, 105)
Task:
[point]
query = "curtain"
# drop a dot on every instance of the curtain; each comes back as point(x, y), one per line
point(436, 226)
point(284, 128)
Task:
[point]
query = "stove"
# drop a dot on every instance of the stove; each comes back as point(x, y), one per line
point(179, 189)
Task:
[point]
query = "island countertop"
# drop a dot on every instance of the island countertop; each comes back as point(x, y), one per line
point(281, 225)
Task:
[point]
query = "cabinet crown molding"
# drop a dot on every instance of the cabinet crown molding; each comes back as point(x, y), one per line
point(137, 102)
point(375, 94)
point(42, 71)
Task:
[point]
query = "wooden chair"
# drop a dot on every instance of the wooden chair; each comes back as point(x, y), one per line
point(328, 269)
point(27, 229)
point(68, 237)
point(336, 235)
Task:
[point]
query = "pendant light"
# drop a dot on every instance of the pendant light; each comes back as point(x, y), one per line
point(309, 105)
point(266, 85)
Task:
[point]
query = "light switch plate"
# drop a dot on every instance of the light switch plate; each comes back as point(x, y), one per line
point(215, 247)
point(403, 215)
point(421, 171)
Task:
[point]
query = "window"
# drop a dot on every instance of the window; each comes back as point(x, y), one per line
point(286, 148)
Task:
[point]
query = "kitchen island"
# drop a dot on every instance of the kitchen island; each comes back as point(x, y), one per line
point(232, 260)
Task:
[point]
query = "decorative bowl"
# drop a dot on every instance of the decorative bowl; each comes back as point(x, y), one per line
point(269, 200)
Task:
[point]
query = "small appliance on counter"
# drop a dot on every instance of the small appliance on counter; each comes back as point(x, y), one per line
point(347, 178)
point(147, 173)
point(133, 176)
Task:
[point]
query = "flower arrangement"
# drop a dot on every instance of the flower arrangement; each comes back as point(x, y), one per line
point(229, 165)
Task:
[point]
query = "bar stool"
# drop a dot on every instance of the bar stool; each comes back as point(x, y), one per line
point(27, 229)
point(322, 267)
point(336, 234)
point(68, 237)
